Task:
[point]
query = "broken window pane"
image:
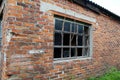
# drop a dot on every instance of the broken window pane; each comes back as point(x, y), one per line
point(73, 40)
point(58, 39)
point(79, 51)
point(80, 29)
point(65, 52)
point(86, 30)
point(67, 26)
point(73, 52)
point(80, 40)
point(57, 52)
point(86, 52)
point(66, 39)
point(86, 40)
point(74, 27)
point(58, 24)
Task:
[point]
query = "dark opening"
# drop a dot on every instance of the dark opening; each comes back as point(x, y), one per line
point(1, 2)
point(80, 29)
point(80, 40)
point(57, 52)
point(67, 26)
point(86, 30)
point(74, 27)
point(58, 38)
point(58, 24)
point(79, 51)
point(66, 39)
point(73, 52)
point(66, 52)
point(73, 40)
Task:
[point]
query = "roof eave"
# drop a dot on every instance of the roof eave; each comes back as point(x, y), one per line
point(96, 8)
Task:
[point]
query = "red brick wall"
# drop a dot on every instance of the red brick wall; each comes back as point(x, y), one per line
point(1, 64)
point(27, 28)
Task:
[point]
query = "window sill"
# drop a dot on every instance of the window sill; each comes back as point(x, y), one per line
point(61, 60)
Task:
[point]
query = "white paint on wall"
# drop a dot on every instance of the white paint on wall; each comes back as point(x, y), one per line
point(8, 35)
point(44, 7)
point(36, 51)
point(4, 57)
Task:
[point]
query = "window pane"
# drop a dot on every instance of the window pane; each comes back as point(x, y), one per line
point(66, 39)
point(57, 52)
point(73, 40)
point(58, 24)
point(86, 30)
point(79, 51)
point(80, 40)
point(67, 26)
point(74, 27)
point(80, 29)
point(86, 40)
point(86, 52)
point(66, 52)
point(58, 39)
point(73, 52)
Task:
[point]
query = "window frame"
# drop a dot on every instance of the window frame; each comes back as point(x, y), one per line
point(83, 47)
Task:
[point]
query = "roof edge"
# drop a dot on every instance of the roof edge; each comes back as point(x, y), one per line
point(96, 8)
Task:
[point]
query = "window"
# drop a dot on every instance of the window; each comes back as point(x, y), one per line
point(71, 39)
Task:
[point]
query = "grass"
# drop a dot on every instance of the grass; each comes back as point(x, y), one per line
point(112, 74)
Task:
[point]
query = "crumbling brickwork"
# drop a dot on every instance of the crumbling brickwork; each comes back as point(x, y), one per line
point(1, 64)
point(28, 42)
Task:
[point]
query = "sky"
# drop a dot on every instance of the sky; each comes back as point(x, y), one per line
point(111, 5)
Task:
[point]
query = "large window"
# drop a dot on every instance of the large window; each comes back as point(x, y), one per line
point(71, 39)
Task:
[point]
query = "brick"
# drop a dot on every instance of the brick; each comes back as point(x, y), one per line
point(32, 30)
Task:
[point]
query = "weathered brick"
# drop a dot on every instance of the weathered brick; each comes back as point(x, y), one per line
point(33, 29)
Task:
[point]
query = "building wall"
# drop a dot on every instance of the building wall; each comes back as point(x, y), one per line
point(28, 42)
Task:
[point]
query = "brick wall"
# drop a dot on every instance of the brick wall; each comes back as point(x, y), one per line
point(1, 64)
point(28, 43)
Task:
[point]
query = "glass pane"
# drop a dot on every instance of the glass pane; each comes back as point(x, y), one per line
point(58, 39)
point(79, 51)
point(74, 27)
point(86, 30)
point(80, 40)
point(57, 52)
point(73, 52)
point(80, 29)
point(58, 24)
point(73, 40)
point(66, 39)
point(65, 52)
point(86, 40)
point(86, 52)
point(67, 26)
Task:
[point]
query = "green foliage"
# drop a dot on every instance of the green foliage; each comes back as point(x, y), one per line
point(112, 74)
